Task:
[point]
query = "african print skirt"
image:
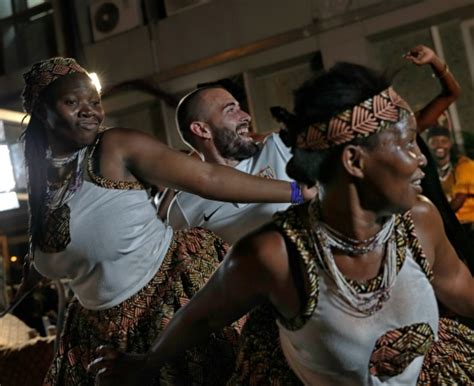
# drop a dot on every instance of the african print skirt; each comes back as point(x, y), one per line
point(260, 360)
point(133, 325)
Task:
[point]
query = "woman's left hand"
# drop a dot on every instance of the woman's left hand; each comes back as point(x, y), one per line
point(420, 55)
point(115, 368)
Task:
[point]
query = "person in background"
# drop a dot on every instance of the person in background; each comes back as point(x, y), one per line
point(211, 121)
point(456, 173)
point(93, 222)
point(353, 277)
point(421, 55)
point(427, 117)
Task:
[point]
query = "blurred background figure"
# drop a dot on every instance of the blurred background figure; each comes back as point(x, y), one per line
point(456, 173)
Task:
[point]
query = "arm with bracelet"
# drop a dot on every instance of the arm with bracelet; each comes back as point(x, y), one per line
point(450, 89)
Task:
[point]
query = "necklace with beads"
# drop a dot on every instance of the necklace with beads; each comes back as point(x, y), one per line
point(325, 239)
point(444, 171)
point(58, 193)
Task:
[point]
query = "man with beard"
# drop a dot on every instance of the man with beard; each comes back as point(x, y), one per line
point(211, 121)
point(456, 174)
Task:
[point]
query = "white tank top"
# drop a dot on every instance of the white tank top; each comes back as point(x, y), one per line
point(117, 245)
point(336, 348)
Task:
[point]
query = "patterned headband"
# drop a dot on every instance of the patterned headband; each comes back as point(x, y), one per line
point(43, 74)
point(362, 120)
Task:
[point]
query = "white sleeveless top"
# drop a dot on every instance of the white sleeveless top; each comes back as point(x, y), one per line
point(335, 347)
point(231, 221)
point(117, 245)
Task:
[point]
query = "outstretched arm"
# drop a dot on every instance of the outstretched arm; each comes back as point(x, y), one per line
point(151, 161)
point(428, 115)
point(255, 271)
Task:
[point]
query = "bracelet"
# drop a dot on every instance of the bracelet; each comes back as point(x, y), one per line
point(443, 73)
point(296, 193)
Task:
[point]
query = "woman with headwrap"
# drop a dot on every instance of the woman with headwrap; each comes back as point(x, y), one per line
point(351, 277)
point(92, 221)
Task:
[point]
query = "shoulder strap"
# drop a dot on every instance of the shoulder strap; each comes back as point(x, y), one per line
point(103, 181)
point(289, 224)
point(415, 246)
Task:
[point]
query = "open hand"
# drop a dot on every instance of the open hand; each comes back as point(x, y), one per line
point(115, 368)
point(420, 55)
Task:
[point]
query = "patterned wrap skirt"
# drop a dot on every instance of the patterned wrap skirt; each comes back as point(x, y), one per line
point(260, 359)
point(133, 325)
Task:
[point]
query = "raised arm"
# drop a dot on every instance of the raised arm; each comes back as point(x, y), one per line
point(450, 89)
point(255, 271)
point(151, 161)
point(453, 283)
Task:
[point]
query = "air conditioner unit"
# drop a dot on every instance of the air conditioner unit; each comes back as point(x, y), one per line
point(111, 17)
point(173, 7)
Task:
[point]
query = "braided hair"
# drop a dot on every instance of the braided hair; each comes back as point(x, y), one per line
point(38, 82)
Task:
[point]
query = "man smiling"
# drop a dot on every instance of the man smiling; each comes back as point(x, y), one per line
point(456, 174)
point(211, 121)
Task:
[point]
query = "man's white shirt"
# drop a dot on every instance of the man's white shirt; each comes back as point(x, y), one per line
point(231, 221)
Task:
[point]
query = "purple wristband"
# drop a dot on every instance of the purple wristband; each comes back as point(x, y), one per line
point(296, 193)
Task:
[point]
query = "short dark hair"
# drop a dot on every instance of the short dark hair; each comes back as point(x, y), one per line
point(438, 131)
point(189, 109)
point(317, 100)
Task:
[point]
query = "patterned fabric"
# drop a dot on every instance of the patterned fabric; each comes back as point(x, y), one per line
point(396, 349)
point(133, 325)
point(42, 74)
point(260, 359)
point(55, 235)
point(296, 231)
point(415, 246)
point(362, 120)
point(450, 360)
point(290, 224)
point(105, 182)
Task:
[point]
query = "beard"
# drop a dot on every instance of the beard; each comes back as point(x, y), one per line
point(232, 146)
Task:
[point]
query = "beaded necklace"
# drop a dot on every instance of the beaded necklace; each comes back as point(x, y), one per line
point(445, 171)
point(57, 194)
point(324, 239)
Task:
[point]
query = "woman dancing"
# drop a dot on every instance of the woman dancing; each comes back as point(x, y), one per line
point(93, 222)
point(353, 276)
